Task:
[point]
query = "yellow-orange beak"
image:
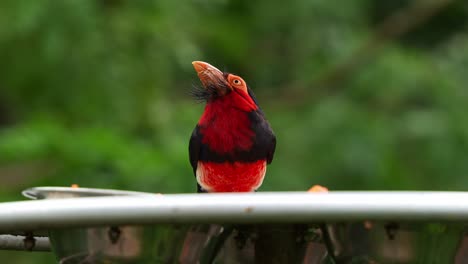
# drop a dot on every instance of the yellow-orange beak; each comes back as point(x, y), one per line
point(210, 76)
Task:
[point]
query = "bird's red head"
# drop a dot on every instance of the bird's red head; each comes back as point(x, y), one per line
point(223, 87)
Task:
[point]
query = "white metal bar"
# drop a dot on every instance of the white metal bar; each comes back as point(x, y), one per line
point(234, 208)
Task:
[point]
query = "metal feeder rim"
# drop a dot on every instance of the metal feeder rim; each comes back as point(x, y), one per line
point(36, 193)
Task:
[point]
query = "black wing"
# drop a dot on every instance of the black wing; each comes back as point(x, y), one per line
point(265, 139)
point(194, 153)
point(194, 148)
point(266, 126)
point(271, 150)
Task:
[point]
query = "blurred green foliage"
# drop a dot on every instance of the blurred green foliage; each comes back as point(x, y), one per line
point(97, 92)
point(362, 95)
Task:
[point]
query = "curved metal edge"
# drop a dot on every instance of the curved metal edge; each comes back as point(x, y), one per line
point(36, 193)
point(30, 193)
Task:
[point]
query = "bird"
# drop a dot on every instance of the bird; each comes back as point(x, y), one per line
point(232, 143)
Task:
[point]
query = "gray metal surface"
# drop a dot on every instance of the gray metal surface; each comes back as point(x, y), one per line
point(14, 242)
point(285, 207)
point(36, 193)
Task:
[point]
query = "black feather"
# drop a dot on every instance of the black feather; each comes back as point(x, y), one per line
point(194, 148)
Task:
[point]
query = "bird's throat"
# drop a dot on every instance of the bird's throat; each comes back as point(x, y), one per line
point(226, 129)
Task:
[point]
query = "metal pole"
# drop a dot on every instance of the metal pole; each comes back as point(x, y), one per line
point(234, 208)
point(26, 243)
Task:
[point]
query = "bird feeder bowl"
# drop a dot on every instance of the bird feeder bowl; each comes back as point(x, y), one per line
point(113, 244)
point(107, 226)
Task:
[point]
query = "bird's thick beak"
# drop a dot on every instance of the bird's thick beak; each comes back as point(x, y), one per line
point(210, 76)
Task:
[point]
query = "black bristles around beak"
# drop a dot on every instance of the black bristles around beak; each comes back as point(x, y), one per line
point(212, 91)
point(200, 93)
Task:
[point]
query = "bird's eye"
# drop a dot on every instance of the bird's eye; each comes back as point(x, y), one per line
point(237, 82)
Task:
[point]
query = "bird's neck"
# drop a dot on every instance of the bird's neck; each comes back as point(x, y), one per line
point(226, 127)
